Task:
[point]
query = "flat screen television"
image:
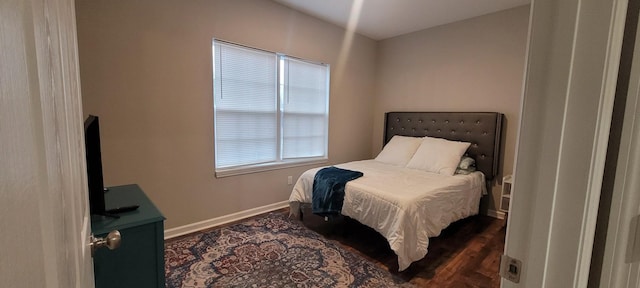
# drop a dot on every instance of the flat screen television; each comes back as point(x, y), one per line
point(94, 165)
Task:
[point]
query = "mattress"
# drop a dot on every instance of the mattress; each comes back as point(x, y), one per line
point(406, 206)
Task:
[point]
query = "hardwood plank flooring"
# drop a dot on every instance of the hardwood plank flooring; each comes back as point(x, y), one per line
point(466, 254)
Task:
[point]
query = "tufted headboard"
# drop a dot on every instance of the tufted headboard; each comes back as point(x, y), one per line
point(482, 129)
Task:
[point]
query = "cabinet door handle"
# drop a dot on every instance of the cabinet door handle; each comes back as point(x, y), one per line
point(112, 241)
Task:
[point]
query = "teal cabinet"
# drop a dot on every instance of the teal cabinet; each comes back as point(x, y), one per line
point(139, 261)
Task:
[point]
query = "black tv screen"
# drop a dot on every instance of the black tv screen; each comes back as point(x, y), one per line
point(94, 165)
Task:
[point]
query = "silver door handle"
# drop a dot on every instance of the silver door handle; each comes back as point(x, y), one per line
point(112, 241)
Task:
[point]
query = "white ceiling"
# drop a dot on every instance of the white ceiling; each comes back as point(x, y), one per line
point(381, 19)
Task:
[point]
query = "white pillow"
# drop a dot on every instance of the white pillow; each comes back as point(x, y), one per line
point(438, 155)
point(399, 150)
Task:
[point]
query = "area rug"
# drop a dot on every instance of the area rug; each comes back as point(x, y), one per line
point(268, 251)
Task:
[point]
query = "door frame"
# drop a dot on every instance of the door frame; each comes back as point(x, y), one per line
point(620, 268)
point(570, 80)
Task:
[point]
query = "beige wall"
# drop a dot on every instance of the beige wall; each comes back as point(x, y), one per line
point(146, 71)
point(472, 65)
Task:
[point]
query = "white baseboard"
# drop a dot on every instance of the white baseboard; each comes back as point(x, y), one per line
point(206, 224)
point(194, 227)
point(495, 214)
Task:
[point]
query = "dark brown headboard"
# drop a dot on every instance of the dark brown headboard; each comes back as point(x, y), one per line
point(482, 129)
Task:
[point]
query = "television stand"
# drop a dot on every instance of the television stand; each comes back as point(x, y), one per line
point(139, 261)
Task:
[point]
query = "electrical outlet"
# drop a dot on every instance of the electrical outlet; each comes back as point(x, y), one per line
point(510, 268)
point(290, 180)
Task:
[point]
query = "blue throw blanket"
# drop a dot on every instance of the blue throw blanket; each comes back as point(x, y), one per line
point(328, 189)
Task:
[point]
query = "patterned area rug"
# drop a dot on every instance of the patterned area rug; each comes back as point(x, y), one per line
point(269, 251)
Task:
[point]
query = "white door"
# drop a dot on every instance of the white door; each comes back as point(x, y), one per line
point(44, 217)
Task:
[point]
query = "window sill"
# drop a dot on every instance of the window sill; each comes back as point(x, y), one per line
point(221, 173)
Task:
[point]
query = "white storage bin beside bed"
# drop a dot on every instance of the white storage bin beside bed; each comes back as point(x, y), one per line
point(505, 195)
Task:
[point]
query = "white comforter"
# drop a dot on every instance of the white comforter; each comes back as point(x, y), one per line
point(406, 206)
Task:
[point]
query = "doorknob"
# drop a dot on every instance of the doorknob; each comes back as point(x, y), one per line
point(112, 241)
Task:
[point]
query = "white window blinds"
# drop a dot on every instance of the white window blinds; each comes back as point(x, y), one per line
point(269, 109)
point(305, 109)
point(245, 106)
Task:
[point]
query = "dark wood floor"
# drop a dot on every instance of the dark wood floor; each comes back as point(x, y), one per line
point(466, 254)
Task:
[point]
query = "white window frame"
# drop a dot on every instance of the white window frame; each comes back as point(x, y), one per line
point(279, 163)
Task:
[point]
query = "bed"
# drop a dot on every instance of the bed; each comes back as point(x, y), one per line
point(409, 193)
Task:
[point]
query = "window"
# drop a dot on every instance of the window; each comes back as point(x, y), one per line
point(270, 110)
